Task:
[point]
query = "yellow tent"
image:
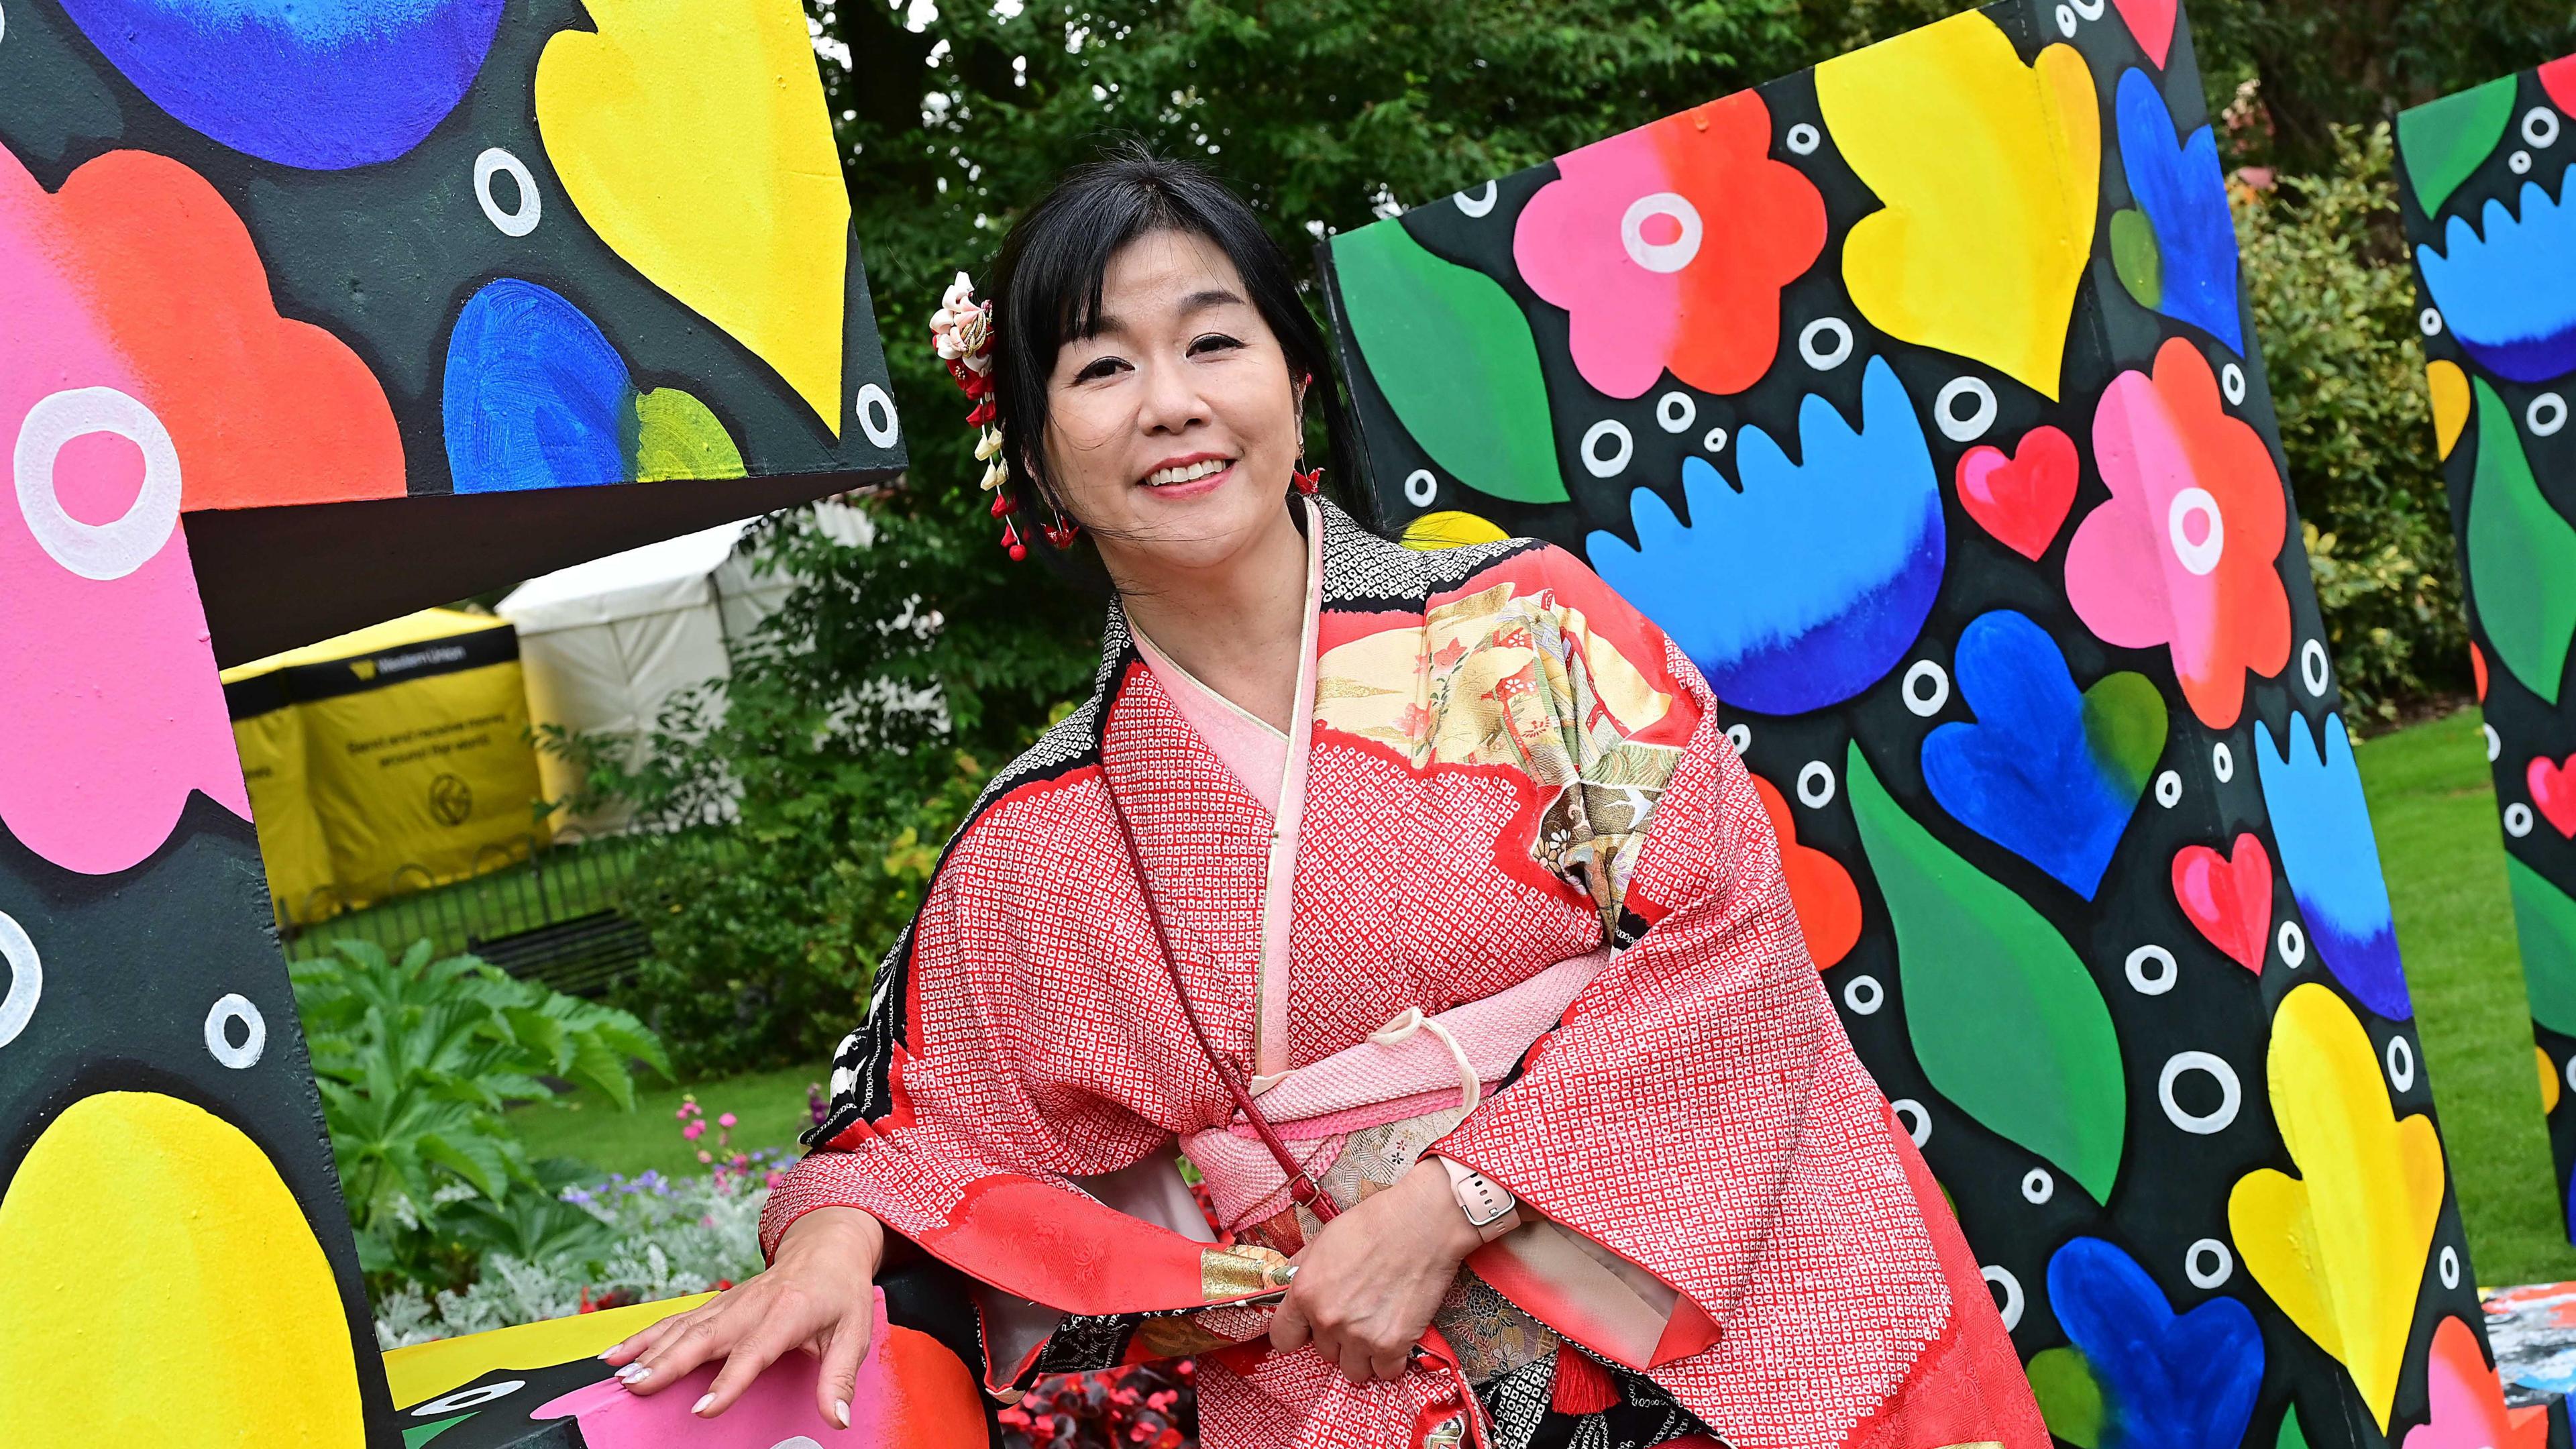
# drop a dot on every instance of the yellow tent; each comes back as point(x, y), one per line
point(388, 759)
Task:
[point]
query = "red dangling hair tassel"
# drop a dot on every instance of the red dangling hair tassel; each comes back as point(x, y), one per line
point(1001, 503)
point(982, 414)
point(1011, 542)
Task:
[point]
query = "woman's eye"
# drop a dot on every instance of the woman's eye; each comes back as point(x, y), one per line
point(1098, 367)
point(1213, 342)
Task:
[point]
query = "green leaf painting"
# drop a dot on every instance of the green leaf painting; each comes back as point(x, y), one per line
point(678, 437)
point(2005, 1020)
point(2124, 723)
point(2069, 1399)
point(2140, 265)
point(2521, 554)
point(1454, 357)
point(2545, 920)
point(2444, 141)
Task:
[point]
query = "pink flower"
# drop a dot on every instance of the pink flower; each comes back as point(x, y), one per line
point(1669, 244)
point(2185, 553)
point(725, 1121)
point(693, 1131)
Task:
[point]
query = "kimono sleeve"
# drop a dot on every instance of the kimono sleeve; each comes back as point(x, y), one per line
point(1698, 1110)
point(947, 1119)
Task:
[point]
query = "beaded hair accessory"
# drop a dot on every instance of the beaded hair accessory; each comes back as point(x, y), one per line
point(962, 331)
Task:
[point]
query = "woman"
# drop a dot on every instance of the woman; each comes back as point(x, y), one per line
point(1418, 900)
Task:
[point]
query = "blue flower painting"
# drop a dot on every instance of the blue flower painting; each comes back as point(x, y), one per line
point(2504, 288)
point(2313, 794)
point(1809, 585)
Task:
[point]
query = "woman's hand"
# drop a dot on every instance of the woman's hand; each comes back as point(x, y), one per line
point(816, 1296)
point(1368, 1284)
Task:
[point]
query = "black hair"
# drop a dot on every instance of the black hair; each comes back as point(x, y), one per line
point(1048, 279)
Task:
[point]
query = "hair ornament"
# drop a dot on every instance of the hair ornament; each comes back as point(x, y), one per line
point(962, 333)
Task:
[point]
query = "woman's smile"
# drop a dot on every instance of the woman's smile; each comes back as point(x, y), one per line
point(1189, 477)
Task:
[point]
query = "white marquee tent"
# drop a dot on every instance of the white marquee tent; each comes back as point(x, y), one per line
point(606, 644)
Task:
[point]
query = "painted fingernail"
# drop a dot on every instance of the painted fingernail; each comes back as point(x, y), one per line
point(700, 1406)
point(841, 1412)
point(633, 1374)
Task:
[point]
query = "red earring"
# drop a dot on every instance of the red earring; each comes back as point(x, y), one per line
point(1307, 483)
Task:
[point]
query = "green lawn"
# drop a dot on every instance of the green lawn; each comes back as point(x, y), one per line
point(770, 1107)
point(2444, 857)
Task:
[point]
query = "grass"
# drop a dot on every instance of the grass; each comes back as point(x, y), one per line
point(2435, 813)
point(770, 1107)
point(2444, 858)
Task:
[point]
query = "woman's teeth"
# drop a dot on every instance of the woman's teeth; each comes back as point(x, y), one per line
point(1187, 473)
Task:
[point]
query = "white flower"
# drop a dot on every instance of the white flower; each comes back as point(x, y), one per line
point(987, 445)
point(995, 475)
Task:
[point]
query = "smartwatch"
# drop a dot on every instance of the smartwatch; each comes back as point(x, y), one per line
point(1491, 1209)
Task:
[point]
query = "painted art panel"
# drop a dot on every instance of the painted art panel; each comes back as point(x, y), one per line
point(1916, 396)
point(316, 314)
point(2482, 175)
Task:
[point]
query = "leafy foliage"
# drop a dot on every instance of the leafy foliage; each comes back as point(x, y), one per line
point(416, 1060)
point(647, 1238)
point(2334, 301)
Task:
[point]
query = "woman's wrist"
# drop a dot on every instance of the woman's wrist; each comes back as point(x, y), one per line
point(843, 1233)
point(1437, 1201)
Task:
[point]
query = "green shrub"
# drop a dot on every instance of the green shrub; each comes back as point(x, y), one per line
point(416, 1060)
point(2334, 302)
point(857, 729)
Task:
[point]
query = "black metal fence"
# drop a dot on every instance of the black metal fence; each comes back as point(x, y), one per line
point(552, 911)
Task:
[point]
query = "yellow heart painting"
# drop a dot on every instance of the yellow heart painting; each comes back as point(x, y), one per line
point(692, 150)
point(2341, 1247)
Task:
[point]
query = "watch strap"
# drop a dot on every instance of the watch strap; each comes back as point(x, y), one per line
point(1491, 1209)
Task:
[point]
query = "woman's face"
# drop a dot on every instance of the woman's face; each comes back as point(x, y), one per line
point(1172, 428)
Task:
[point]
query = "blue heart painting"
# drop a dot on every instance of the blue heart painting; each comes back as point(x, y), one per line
point(2322, 824)
point(2167, 1380)
point(1809, 585)
point(2179, 187)
point(2048, 772)
point(535, 396)
point(2509, 295)
point(319, 84)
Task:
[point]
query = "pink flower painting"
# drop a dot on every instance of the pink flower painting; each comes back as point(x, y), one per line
point(2186, 552)
point(148, 372)
point(1669, 245)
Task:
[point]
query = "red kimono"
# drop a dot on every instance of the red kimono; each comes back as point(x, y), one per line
point(1509, 808)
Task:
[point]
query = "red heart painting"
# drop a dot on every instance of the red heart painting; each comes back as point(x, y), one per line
point(2228, 897)
point(2152, 22)
point(2558, 77)
point(1828, 903)
point(2553, 792)
point(2022, 500)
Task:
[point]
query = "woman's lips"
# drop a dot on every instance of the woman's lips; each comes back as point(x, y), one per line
point(1193, 488)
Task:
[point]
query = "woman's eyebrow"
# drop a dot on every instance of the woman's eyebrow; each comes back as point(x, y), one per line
point(1206, 297)
point(1106, 323)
